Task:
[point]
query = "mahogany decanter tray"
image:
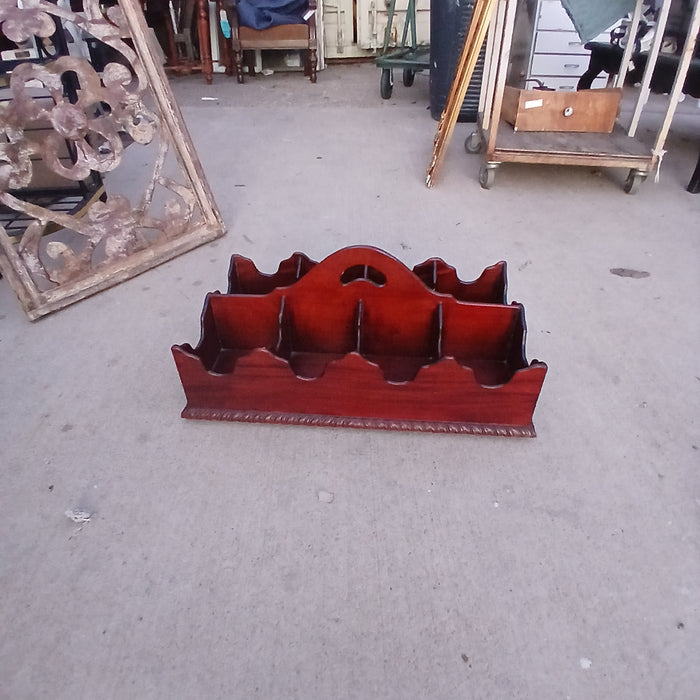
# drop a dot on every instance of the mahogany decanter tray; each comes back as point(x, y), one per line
point(359, 340)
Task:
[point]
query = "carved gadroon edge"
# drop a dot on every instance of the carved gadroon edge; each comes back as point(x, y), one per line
point(328, 421)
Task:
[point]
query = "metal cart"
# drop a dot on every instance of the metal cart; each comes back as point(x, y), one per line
point(618, 149)
point(412, 58)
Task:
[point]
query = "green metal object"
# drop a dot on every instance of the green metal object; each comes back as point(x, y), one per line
point(411, 57)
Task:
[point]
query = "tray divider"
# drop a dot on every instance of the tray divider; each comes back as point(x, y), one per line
point(283, 346)
point(359, 327)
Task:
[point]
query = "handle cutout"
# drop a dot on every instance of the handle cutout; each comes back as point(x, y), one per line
point(363, 272)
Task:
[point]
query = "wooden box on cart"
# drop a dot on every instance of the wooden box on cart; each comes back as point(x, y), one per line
point(592, 111)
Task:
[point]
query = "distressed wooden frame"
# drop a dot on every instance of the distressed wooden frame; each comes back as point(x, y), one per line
point(361, 341)
point(188, 218)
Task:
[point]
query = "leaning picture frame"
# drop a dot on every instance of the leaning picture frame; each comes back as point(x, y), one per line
point(80, 209)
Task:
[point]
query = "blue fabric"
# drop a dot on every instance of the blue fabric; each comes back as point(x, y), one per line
point(591, 17)
point(263, 14)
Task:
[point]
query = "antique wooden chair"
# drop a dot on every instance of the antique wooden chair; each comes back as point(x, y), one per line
point(301, 36)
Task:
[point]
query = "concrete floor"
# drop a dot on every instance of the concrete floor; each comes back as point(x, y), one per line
point(443, 567)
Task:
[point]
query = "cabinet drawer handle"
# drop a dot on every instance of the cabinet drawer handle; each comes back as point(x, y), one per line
point(571, 65)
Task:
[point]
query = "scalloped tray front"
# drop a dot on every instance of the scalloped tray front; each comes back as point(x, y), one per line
point(359, 340)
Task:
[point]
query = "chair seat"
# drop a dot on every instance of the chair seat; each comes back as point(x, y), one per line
point(282, 36)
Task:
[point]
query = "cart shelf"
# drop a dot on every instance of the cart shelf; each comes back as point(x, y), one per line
point(614, 149)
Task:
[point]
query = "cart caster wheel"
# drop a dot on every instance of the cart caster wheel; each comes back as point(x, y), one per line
point(634, 180)
point(487, 174)
point(472, 144)
point(408, 76)
point(386, 83)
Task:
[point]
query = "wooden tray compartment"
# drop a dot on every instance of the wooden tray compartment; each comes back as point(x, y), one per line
point(490, 287)
point(360, 340)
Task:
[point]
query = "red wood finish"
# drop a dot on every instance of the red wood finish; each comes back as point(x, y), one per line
point(359, 340)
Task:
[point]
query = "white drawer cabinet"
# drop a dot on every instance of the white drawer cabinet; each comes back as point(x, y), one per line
point(568, 84)
point(553, 64)
point(559, 42)
point(552, 16)
point(558, 56)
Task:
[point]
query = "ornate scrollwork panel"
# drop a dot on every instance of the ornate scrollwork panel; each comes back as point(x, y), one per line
point(79, 210)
